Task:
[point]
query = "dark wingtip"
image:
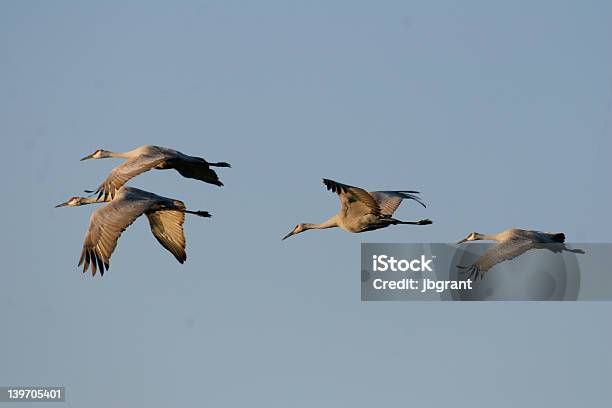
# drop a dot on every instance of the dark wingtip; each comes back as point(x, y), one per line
point(332, 186)
point(409, 194)
point(418, 200)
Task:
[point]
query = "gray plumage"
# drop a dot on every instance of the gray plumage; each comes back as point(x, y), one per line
point(166, 217)
point(149, 157)
point(510, 244)
point(362, 211)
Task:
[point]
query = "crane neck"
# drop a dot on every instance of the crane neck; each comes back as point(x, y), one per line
point(121, 155)
point(93, 200)
point(485, 237)
point(330, 223)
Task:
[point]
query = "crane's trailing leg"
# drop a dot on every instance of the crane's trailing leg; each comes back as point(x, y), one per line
point(220, 164)
point(199, 213)
point(420, 222)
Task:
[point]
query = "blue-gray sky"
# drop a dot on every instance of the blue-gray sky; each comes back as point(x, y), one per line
point(498, 112)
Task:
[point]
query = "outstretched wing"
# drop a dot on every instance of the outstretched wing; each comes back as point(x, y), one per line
point(388, 201)
point(196, 169)
point(124, 172)
point(503, 251)
point(105, 227)
point(167, 227)
point(355, 201)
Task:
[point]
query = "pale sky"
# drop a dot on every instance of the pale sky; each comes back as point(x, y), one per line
point(498, 112)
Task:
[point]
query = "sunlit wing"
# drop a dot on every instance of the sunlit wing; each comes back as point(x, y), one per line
point(124, 172)
point(355, 201)
point(498, 253)
point(389, 201)
point(167, 227)
point(105, 227)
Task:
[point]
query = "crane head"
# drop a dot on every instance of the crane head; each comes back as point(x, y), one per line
point(72, 202)
point(98, 154)
point(473, 236)
point(298, 228)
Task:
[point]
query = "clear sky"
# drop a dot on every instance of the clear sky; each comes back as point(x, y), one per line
point(498, 112)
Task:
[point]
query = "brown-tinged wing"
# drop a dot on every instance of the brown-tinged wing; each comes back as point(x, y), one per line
point(124, 172)
point(355, 201)
point(389, 201)
point(167, 227)
point(498, 253)
point(106, 226)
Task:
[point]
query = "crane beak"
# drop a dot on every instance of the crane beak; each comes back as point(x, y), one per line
point(462, 241)
point(62, 205)
point(88, 157)
point(288, 235)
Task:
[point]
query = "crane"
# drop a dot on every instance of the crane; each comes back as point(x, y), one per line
point(510, 244)
point(166, 217)
point(362, 210)
point(149, 157)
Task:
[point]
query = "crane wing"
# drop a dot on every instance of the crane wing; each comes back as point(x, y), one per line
point(106, 225)
point(355, 201)
point(124, 172)
point(503, 251)
point(167, 227)
point(388, 201)
point(196, 169)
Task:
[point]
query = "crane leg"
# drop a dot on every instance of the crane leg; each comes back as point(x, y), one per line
point(420, 222)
